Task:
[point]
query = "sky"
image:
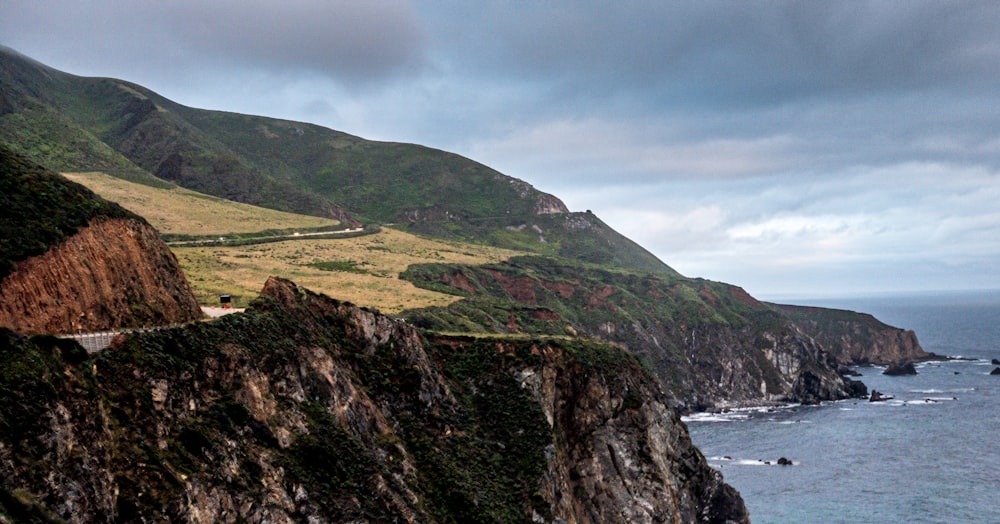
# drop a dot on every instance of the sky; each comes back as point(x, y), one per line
point(791, 148)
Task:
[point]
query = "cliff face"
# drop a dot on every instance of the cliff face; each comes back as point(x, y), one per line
point(305, 408)
point(112, 273)
point(856, 338)
point(712, 345)
point(620, 452)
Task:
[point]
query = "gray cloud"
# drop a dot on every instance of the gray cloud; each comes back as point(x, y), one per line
point(733, 52)
point(350, 42)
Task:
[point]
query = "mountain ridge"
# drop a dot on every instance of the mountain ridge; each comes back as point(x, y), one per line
point(289, 166)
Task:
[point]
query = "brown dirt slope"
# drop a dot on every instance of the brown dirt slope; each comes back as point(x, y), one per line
point(113, 273)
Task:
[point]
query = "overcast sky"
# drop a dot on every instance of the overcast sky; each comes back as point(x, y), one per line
point(792, 148)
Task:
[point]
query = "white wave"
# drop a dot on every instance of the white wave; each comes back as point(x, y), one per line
point(713, 417)
point(926, 391)
point(929, 400)
point(734, 414)
point(894, 402)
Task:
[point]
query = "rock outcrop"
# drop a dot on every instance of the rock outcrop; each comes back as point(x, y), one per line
point(113, 273)
point(308, 409)
point(856, 338)
point(900, 369)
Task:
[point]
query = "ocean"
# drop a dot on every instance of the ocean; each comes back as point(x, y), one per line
point(930, 455)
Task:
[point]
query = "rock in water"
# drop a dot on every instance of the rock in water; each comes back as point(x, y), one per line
point(996, 371)
point(900, 368)
point(879, 397)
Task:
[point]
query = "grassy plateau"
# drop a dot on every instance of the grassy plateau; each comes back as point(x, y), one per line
point(363, 270)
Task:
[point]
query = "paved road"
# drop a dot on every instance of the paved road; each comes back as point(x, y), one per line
point(95, 342)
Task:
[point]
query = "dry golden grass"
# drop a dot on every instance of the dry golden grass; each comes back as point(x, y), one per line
point(241, 271)
point(181, 211)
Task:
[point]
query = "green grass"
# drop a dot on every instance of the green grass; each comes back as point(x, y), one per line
point(346, 266)
point(41, 208)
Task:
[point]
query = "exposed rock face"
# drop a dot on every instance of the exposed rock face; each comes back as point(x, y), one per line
point(856, 338)
point(620, 454)
point(113, 273)
point(549, 205)
point(308, 409)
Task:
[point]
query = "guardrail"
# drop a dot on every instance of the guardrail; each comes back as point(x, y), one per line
point(99, 341)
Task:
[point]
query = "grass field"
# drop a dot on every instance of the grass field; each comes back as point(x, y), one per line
point(363, 270)
point(181, 211)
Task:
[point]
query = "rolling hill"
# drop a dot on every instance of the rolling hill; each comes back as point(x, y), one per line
point(71, 123)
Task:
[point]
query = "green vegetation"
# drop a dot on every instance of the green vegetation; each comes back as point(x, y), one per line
point(489, 469)
point(657, 317)
point(334, 467)
point(474, 455)
point(346, 266)
point(542, 294)
point(42, 208)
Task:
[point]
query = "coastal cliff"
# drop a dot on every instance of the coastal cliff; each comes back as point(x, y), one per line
point(306, 408)
point(856, 338)
point(711, 344)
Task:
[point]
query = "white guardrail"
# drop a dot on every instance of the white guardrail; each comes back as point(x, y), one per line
point(95, 342)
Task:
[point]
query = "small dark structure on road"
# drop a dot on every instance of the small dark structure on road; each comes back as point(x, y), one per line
point(226, 301)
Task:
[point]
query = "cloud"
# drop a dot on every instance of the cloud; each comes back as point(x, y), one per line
point(738, 54)
point(875, 228)
point(631, 152)
point(352, 42)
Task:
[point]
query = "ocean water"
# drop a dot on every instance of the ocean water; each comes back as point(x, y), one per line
point(932, 454)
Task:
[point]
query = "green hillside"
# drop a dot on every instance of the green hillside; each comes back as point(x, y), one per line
point(70, 123)
point(40, 208)
point(690, 332)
